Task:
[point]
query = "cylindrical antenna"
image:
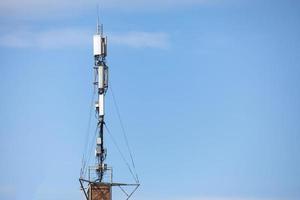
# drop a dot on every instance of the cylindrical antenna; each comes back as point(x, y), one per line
point(99, 25)
point(98, 21)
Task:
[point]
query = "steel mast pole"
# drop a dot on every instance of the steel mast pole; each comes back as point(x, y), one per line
point(101, 75)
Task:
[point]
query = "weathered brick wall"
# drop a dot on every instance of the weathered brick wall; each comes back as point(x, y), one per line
point(99, 192)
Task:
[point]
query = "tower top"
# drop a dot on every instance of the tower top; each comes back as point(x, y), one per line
point(99, 25)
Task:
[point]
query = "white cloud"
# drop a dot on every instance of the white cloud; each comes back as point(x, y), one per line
point(58, 8)
point(76, 37)
point(7, 192)
point(154, 4)
point(142, 39)
point(44, 39)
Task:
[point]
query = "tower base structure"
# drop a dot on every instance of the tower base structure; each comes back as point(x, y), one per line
point(99, 191)
point(103, 190)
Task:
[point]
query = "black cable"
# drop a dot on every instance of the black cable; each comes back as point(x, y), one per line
point(89, 121)
point(119, 150)
point(87, 132)
point(124, 132)
point(91, 148)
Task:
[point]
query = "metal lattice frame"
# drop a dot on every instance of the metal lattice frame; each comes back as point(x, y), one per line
point(128, 194)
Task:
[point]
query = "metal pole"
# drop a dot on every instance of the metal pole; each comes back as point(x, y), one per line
point(101, 73)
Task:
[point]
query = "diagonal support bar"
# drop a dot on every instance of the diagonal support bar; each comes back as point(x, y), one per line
point(81, 185)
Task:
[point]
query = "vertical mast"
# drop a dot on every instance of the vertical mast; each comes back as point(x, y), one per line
point(99, 187)
point(101, 76)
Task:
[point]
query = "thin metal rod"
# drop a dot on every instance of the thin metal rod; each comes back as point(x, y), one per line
point(133, 192)
point(123, 191)
point(85, 194)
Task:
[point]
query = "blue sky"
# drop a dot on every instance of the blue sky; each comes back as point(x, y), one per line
point(208, 92)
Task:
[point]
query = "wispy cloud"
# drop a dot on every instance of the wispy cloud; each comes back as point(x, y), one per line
point(7, 192)
point(59, 8)
point(155, 4)
point(77, 37)
point(142, 39)
point(44, 39)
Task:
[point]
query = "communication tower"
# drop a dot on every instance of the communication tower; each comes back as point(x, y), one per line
point(99, 182)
